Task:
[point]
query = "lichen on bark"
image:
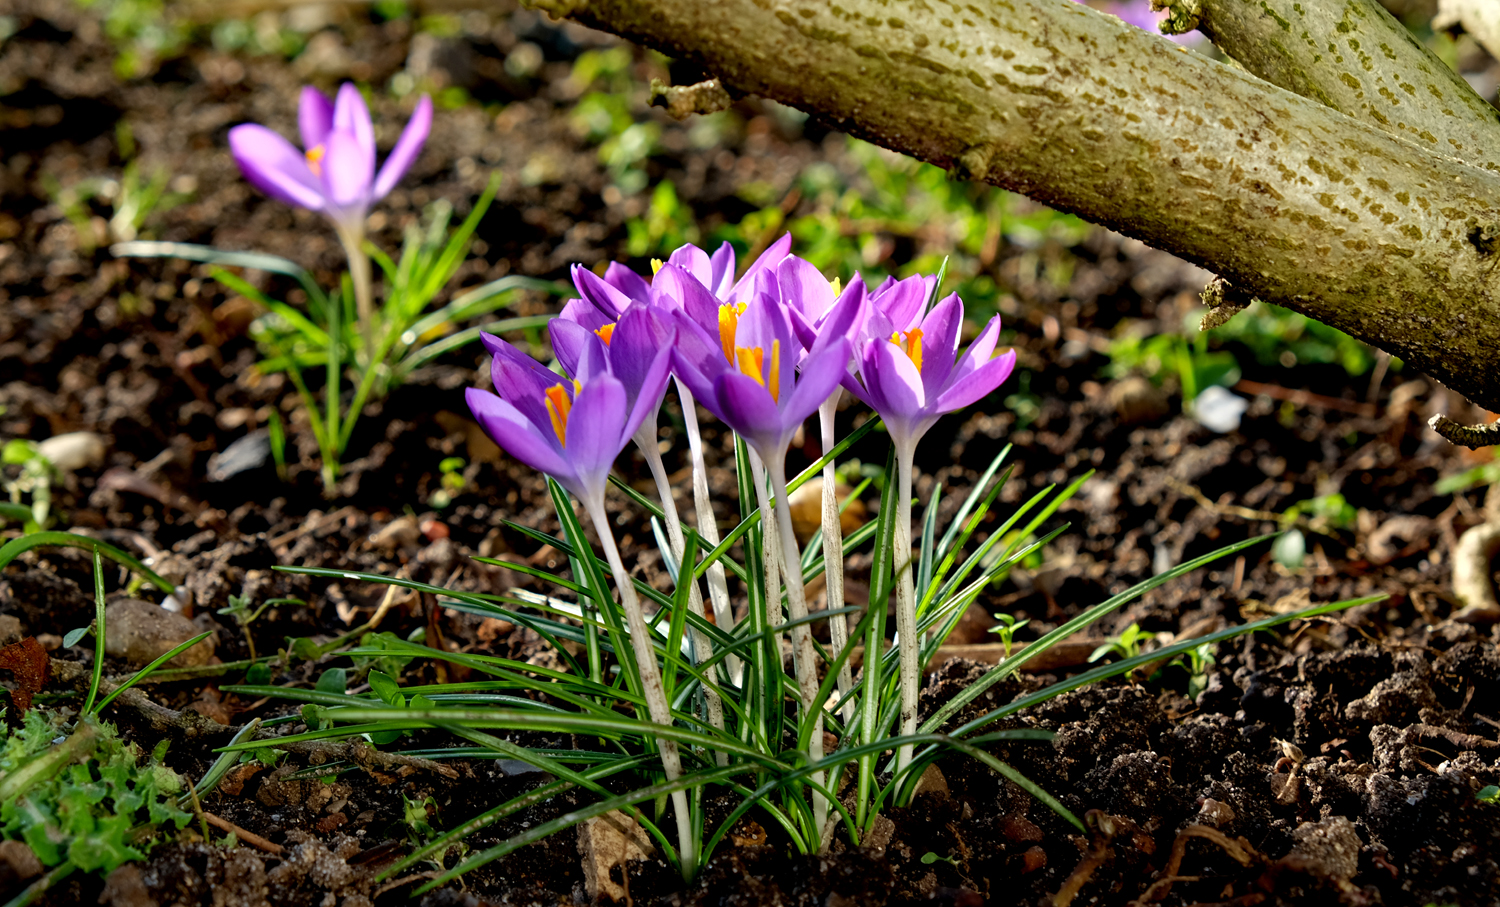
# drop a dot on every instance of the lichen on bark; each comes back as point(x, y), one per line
point(1353, 56)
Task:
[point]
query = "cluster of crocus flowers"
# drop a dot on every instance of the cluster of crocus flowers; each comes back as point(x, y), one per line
point(335, 173)
point(761, 353)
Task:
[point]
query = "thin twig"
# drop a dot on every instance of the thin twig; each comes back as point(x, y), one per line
point(249, 837)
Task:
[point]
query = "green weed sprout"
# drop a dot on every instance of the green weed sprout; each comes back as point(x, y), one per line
point(34, 481)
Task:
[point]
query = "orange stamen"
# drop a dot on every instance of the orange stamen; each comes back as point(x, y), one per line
point(559, 404)
point(752, 362)
point(729, 322)
point(912, 347)
point(315, 159)
point(605, 333)
point(773, 382)
point(749, 362)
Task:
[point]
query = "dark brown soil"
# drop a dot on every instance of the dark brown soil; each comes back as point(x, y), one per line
point(1332, 762)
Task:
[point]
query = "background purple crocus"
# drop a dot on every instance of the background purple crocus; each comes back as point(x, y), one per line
point(335, 174)
point(1140, 14)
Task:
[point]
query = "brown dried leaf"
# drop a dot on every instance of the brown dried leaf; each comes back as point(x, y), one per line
point(26, 661)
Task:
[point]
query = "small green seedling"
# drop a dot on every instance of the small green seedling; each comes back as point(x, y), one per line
point(239, 608)
point(929, 858)
point(452, 482)
point(1488, 794)
point(1128, 644)
point(1006, 630)
point(35, 480)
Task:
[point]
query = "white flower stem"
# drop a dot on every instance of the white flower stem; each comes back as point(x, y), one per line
point(770, 554)
point(803, 654)
point(650, 674)
point(708, 528)
point(702, 647)
point(909, 644)
point(833, 555)
point(353, 241)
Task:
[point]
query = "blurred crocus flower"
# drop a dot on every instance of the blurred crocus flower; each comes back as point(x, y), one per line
point(1140, 14)
point(336, 173)
point(572, 430)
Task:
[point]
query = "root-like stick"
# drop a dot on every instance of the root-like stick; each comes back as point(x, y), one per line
point(249, 837)
point(361, 754)
point(1099, 853)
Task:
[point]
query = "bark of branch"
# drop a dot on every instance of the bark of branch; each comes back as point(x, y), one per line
point(1353, 56)
point(1284, 197)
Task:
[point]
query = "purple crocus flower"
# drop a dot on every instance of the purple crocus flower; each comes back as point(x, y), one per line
point(336, 173)
point(913, 377)
point(748, 374)
point(574, 429)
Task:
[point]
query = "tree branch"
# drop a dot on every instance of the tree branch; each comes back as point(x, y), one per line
point(1353, 56)
point(1284, 197)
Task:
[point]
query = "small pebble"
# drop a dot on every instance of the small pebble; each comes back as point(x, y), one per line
point(73, 451)
point(139, 631)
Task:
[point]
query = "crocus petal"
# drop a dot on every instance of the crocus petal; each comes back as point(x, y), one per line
point(592, 287)
point(408, 146)
point(977, 384)
point(979, 351)
point(314, 117)
point(693, 260)
point(819, 378)
point(898, 381)
point(676, 288)
point(940, 343)
point(649, 394)
point(522, 382)
point(568, 341)
point(747, 408)
point(275, 167)
point(845, 320)
point(347, 171)
point(515, 434)
point(593, 359)
point(637, 340)
point(697, 358)
point(596, 432)
point(585, 313)
point(904, 301)
point(804, 288)
point(633, 285)
point(352, 116)
point(768, 259)
point(723, 270)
